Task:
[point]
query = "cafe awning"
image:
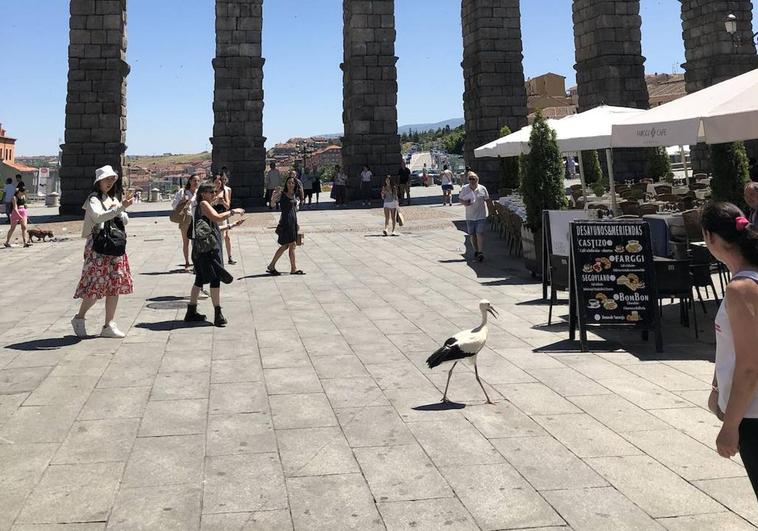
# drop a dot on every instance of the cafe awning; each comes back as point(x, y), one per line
point(725, 112)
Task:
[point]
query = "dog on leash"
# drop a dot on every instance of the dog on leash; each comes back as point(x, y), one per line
point(40, 234)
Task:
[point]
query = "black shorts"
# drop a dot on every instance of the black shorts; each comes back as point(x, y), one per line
point(447, 187)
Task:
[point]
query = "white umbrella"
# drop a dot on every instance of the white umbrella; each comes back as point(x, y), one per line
point(725, 112)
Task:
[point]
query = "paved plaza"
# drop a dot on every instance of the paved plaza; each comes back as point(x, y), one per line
point(314, 409)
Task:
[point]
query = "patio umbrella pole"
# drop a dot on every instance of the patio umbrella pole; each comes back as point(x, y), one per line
point(581, 178)
point(684, 164)
point(611, 179)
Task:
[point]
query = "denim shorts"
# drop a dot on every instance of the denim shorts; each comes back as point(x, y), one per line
point(476, 226)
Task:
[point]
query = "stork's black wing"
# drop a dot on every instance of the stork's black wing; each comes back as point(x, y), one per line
point(449, 352)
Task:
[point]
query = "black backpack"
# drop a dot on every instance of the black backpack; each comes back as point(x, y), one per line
point(111, 239)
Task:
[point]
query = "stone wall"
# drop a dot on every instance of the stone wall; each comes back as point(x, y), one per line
point(369, 90)
point(710, 52)
point(238, 141)
point(495, 94)
point(96, 100)
point(610, 68)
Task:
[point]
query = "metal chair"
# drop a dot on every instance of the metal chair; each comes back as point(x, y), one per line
point(692, 225)
point(674, 282)
point(701, 271)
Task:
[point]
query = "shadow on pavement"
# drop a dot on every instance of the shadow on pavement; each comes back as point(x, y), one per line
point(158, 273)
point(440, 406)
point(166, 326)
point(51, 343)
point(259, 275)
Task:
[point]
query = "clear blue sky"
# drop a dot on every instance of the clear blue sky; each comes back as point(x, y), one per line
point(171, 44)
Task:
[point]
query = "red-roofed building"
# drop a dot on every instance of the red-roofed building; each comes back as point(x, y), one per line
point(8, 165)
point(328, 156)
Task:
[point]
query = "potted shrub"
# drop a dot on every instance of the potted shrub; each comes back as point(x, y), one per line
point(591, 168)
point(510, 177)
point(730, 172)
point(542, 188)
point(659, 165)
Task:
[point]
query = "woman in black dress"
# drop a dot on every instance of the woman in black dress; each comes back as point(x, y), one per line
point(287, 228)
point(209, 267)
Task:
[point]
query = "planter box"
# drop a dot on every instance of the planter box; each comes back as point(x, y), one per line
point(532, 244)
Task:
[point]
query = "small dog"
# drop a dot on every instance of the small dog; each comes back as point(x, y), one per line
point(40, 234)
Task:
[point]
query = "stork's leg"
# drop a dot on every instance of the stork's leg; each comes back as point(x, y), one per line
point(449, 374)
point(476, 373)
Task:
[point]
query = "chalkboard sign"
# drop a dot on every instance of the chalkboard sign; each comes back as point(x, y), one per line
point(613, 276)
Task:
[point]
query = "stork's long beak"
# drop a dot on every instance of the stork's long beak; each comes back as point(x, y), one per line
point(493, 312)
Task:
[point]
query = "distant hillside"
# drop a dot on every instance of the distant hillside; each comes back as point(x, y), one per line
point(452, 122)
point(164, 160)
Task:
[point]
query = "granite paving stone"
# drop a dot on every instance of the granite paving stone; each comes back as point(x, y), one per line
point(174, 417)
point(123, 402)
point(454, 442)
point(243, 369)
point(427, 515)
point(301, 411)
point(734, 493)
point(352, 392)
point(258, 521)
point(547, 464)
point(180, 385)
point(536, 399)
point(167, 460)
point(73, 494)
point(498, 497)
point(240, 397)
point(332, 502)
point(174, 507)
point(293, 380)
point(619, 414)
point(714, 522)
point(98, 441)
point(240, 433)
point(373, 426)
point(600, 508)
point(396, 473)
point(244, 482)
point(585, 436)
point(315, 452)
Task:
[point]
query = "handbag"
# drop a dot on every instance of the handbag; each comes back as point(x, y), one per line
point(180, 215)
point(399, 218)
point(111, 239)
point(204, 239)
point(333, 193)
point(300, 238)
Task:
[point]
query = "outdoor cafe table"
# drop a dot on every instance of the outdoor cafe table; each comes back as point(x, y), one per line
point(676, 190)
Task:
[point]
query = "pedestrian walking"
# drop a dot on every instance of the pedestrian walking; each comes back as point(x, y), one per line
point(8, 192)
point(316, 185)
point(287, 229)
point(366, 177)
point(222, 202)
point(105, 273)
point(447, 186)
point(389, 196)
point(208, 224)
point(299, 193)
point(18, 217)
point(733, 241)
point(425, 176)
point(404, 183)
point(182, 214)
point(340, 185)
point(474, 197)
point(571, 167)
point(307, 181)
point(272, 179)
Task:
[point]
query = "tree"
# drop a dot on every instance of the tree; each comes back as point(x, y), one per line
point(543, 184)
point(591, 168)
point(510, 176)
point(730, 172)
point(659, 164)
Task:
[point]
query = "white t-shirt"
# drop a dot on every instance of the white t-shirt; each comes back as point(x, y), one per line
point(9, 190)
point(179, 196)
point(447, 177)
point(366, 176)
point(726, 358)
point(477, 209)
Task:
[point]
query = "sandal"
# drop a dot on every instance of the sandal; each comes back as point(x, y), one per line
point(298, 272)
point(273, 272)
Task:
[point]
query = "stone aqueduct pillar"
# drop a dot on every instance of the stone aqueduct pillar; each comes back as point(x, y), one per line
point(369, 90)
point(238, 141)
point(493, 73)
point(96, 100)
point(710, 53)
point(610, 68)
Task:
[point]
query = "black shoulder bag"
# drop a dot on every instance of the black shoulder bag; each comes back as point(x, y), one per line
point(111, 239)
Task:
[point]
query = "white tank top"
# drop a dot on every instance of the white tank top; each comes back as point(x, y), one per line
point(725, 356)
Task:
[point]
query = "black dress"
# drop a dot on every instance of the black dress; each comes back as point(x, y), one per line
point(209, 268)
point(287, 228)
point(316, 184)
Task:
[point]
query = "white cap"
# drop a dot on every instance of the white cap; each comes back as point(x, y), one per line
point(104, 173)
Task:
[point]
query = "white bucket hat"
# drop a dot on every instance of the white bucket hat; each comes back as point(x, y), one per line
point(104, 173)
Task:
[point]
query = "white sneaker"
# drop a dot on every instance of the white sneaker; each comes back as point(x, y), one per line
point(203, 294)
point(80, 330)
point(111, 330)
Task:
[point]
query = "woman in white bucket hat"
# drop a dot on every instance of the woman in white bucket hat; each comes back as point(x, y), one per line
point(103, 275)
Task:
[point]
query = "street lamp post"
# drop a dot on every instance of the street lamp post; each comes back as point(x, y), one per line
point(730, 24)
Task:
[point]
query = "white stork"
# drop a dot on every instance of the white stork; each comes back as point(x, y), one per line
point(464, 345)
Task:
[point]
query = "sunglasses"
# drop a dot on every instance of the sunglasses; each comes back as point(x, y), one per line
point(471, 179)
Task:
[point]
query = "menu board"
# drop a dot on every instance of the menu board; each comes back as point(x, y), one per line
point(613, 273)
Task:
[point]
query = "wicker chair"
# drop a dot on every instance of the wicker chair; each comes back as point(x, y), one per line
point(630, 208)
point(692, 226)
point(647, 208)
point(668, 198)
point(663, 189)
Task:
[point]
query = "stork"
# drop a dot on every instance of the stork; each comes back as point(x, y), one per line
point(464, 345)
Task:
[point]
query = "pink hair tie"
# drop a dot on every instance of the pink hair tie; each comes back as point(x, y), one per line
point(741, 223)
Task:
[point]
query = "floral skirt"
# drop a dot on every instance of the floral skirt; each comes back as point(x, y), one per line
point(103, 275)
